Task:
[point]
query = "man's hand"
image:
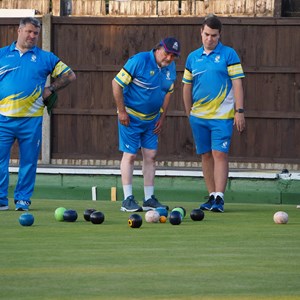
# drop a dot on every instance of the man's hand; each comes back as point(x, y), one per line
point(50, 102)
point(123, 118)
point(239, 121)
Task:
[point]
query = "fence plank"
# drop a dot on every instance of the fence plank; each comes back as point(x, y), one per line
point(81, 7)
point(241, 8)
point(42, 7)
point(168, 8)
point(132, 8)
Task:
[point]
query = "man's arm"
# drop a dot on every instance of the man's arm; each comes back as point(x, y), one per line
point(119, 100)
point(164, 108)
point(59, 83)
point(239, 118)
point(187, 98)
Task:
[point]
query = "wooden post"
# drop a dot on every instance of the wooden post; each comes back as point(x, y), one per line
point(113, 193)
point(277, 8)
point(46, 130)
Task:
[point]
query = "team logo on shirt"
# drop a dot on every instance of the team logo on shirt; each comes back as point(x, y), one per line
point(152, 73)
point(33, 58)
point(217, 59)
point(168, 74)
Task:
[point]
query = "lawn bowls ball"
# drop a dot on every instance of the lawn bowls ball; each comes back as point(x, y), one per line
point(70, 215)
point(281, 217)
point(180, 210)
point(197, 214)
point(87, 214)
point(162, 219)
point(152, 216)
point(26, 219)
point(175, 218)
point(184, 210)
point(97, 217)
point(59, 214)
point(162, 211)
point(135, 221)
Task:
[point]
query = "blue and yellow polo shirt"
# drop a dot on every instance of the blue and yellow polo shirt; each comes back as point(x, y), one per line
point(23, 78)
point(211, 75)
point(145, 84)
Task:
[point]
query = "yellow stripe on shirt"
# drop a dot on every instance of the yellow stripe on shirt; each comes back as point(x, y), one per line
point(234, 70)
point(13, 106)
point(141, 115)
point(124, 76)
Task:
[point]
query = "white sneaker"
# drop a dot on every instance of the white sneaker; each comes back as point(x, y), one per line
point(22, 205)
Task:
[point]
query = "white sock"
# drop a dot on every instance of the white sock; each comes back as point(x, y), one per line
point(212, 194)
point(149, 191)
point(219, 194)
point(127, 190)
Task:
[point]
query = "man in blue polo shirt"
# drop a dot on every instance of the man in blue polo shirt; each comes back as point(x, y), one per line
point(23, 73)
point(213, 100)
point(142, 91)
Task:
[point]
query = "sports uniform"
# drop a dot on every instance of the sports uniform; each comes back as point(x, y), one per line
point(212, 95)
point(144, 88)
point(142, 91)
point(22, 81)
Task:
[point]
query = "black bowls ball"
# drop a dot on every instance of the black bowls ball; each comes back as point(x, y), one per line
point(87, 213)
point(97, 217)
point(135, 221)
point(197, 214)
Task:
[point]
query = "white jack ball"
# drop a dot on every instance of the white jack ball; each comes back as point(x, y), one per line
point(281, 217)
point(152, 216)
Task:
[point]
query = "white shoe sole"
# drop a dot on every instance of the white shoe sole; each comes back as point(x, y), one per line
point(129, 210)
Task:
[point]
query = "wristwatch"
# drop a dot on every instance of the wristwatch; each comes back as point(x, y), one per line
point(240, 110)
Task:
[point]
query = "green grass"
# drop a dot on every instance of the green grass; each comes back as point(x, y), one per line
point(240, 254)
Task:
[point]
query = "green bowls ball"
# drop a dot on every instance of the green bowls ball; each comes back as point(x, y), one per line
point(59, 214)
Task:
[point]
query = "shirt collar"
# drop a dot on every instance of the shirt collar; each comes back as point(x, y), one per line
point(216, 50)
point(13, 47)
point(153, 57)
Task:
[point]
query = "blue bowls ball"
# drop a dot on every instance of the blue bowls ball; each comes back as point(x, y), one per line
point(162, 211)
point(175, 218)
point(70, 215)
point(26, 219)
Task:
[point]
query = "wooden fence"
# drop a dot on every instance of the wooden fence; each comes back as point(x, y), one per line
point(84, 123)
point(148, 8)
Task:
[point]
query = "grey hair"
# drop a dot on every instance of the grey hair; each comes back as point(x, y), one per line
point(29, 20)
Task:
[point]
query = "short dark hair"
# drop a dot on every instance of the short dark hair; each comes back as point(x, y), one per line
point(29, 20)
point(212, 22)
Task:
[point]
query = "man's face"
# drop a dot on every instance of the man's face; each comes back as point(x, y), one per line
point(164, 58)
point(210, 38)
point(28, 36)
